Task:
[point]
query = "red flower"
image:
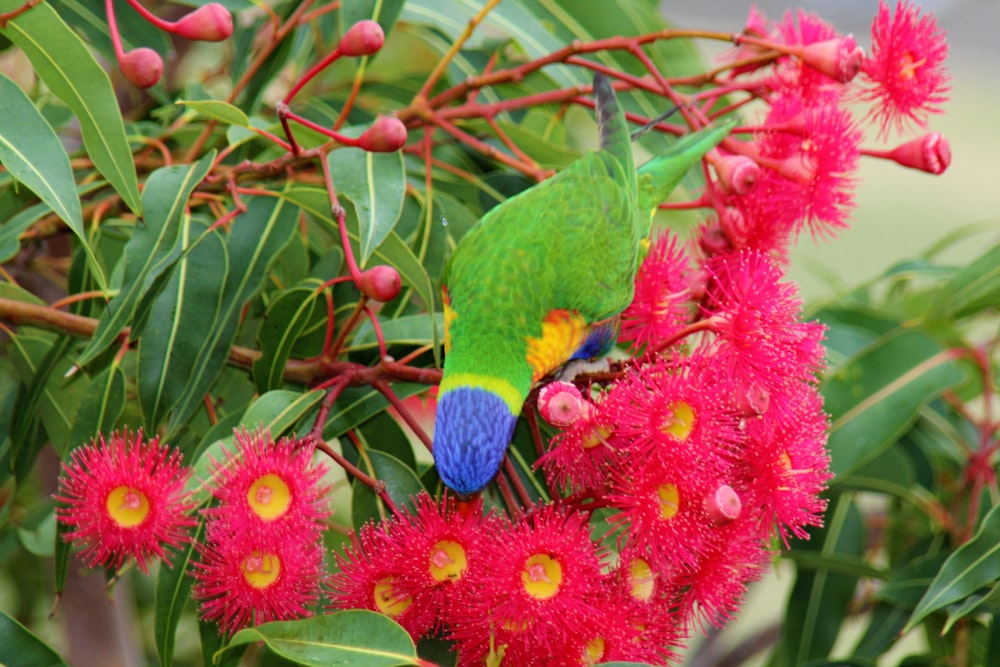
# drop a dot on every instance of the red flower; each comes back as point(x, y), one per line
point(533, 593)
point(760, 340)
point(787, 465)
point(124, 498)
point(582, 456)
point(662, 302)
point(811, 150)
point(794, 77)
point(270, 489)
point(713, 590)
point(412, 566)
point(906, 68)
point(241, 583)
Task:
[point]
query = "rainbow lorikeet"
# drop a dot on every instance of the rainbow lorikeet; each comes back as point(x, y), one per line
point(540, 280)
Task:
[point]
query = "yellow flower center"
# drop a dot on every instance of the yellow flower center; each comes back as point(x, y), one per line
point(387, 600)
point(598, 436)
point(260, 570)
point(269, 497)
point(670, 500)
point(680, 422)
point(908, 66)
point(127, 506)
point(641, 580)
point(594, 651)
point(541, 576)
point(447, 561)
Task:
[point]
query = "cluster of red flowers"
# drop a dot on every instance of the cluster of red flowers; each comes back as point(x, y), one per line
point(262, 556)
point(673, 481)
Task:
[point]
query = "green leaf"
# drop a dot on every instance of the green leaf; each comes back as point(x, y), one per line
point(352, 637)
point(189, 302)
point(819, 601)
point(33, 154)
point(392, 251)
point(970, 567)
point(972, 288)
point(279, 410)
point(13, 227)
point(40, 364)
point(257, 238)
point(101, 405)
point(877, 395)
point(401, 483)
point(286, 317)
point(217, 110)
point(65, 64)
point(173, 590)
point(376, 184)
point(356, 405)
point(152, 249)
point(509, 18)
point(39, 540)
point(20, 648)
point(384, 11)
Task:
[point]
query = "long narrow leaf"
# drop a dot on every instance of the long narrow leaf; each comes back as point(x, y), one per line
point(152, 249)
point(353, 637)
point(972, 566)
point(65, 64)
point(255, 241)
point(33, 154)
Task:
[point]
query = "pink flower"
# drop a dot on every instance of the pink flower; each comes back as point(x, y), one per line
point(412, 566)
point(662, 302)
point(582, 456)
point(241, 583)
point(124, 498)
point(270, 489)
point(812, 151)
point(787, 465)
point(533, 593)
point(759, 339)
point(713, 590)
point(906, 68)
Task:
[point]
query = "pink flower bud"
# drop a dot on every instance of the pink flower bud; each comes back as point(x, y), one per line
point(713, 239)
point(752, 401)
point(380, 282)
point(800, 168)
point(387, 134)
point(208, 23)
point(723, 505)
point(143, 67)
point(839, 58)
point(737, 173)
point(561, 403)
point(362, 39)
point(930, 153)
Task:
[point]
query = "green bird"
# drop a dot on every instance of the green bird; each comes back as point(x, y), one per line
point(541, 280)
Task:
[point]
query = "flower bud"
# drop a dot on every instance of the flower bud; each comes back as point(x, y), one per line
point(561, 403)
point(143, 67)
point(208, 23)
point(737, 173)
point(839, 58)
point(387, 134)
point(380, 282)
point(362, 39)
point(930, 153)
point(723, 505)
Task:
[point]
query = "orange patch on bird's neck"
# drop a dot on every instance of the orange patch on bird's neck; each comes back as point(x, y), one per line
point(563, 332)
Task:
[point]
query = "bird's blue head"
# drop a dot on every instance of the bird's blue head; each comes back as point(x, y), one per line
point(472, 429)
